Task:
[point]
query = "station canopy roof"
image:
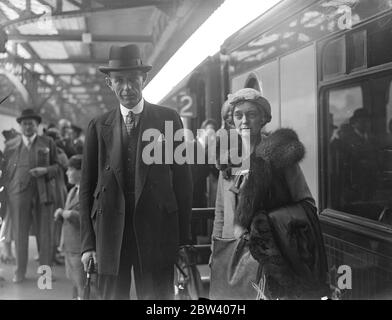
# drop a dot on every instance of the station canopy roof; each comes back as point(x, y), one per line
point(62, 42)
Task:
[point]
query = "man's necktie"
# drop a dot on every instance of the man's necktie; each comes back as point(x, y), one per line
point(29, 143)
point(130, 121)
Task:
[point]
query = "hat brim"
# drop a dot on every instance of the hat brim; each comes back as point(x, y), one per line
point(38, 118)
point(106, 70)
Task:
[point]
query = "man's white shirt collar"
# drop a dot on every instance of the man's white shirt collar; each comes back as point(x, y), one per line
point(136, 109)
point(26, 139)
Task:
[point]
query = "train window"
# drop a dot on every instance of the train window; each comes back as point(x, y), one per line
point(357, 50)
point(380, 42)
point(334, 58)
point(360, 149)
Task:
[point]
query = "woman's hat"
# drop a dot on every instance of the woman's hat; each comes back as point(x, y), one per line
point(251, 95)
point(29, 114)
point(124, 58)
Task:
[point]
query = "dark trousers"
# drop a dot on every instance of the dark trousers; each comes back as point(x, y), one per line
point(26, 209)
point(155, 284)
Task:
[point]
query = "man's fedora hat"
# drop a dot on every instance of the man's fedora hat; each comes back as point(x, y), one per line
point(360, 114)
point(124, 58)
point(29, 114)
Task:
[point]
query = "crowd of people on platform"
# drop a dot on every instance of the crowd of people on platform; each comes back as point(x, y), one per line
point(39, 166)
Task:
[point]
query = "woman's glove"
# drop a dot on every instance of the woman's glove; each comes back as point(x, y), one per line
point(239, 231)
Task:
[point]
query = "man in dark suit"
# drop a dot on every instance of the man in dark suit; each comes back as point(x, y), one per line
point(133, 215)
point(30, 180)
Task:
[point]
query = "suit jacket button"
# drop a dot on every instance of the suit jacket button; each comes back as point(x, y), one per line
point(99, 211)
point(107, 167)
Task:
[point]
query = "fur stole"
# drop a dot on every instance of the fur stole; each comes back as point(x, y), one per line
point(276, 152)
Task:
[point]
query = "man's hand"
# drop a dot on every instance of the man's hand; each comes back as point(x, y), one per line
point(86, 258)
point(66, 214)
point(58, 213)
point(38, 172)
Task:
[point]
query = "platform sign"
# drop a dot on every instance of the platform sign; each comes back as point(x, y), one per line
point(186, 105)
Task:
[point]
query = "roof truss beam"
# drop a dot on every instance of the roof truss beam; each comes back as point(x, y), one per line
point(85, 8)
point(70, 60)
point(78, 37)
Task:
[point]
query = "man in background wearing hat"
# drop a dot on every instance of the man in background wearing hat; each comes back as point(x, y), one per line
point(133, 215)
point(358, 163)
point(77, 140)
point(65, 142)
point(30, 180)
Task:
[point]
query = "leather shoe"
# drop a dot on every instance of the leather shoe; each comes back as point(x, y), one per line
point(18, 279)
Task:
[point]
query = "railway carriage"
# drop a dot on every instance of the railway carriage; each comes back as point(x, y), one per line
point(326, 68)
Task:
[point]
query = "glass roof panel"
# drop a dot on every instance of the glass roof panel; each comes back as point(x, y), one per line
point(62, 68)
point(10, 13)
point(75, 48)
point(49, 49)
point(74, 23)
point(42, 27)
point(68, 6)
point(22, 52)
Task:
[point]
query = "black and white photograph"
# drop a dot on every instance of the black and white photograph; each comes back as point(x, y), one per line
point(195, 154)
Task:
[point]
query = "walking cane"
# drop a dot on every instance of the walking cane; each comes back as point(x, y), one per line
point(90, 271)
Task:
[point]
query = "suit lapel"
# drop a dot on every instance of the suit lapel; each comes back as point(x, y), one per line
point(72, 200)
point(111, 131)
point(147, 122)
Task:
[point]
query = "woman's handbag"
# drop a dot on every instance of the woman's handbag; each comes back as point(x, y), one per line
point(235, 274)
